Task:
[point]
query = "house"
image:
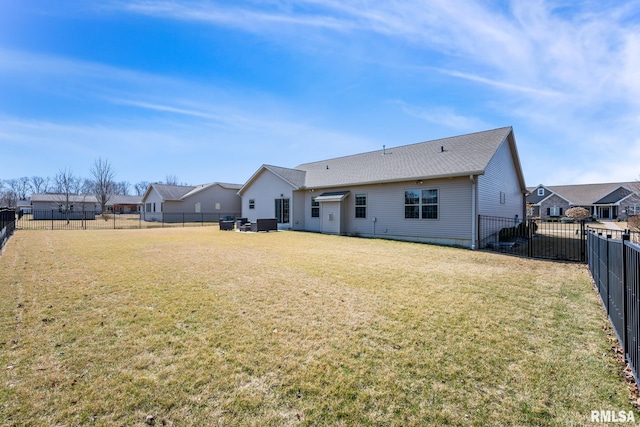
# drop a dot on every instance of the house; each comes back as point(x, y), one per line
point(604, 201)
point(64, 206)
point(186, 203)
point(124, 204)
point(432, 191)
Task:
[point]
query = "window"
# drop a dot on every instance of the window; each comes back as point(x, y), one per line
point(147, 207)
point(252, 203)
point(361, 205)
point(554, 211)
point(161, 206)
point(421, 204)
point(282, 211)
point(154, 206)
point(315, 208)
point(502, 198)
point(540, 191)
point(198, 207)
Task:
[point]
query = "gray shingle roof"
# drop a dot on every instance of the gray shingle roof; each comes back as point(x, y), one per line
point(447, 157)
point(294, 176)
point(172, 192)
point(57, 198)
point(589, 194)
point(180, 192)
point(117, 199)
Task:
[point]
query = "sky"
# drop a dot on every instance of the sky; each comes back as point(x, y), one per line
point(208, 91)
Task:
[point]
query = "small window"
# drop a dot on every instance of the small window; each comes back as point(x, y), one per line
point(540, 191)
point(198, 207)
point(502, 198)
point(361, 205)
point(154, 207)
point(315, 208)
point(252, 203)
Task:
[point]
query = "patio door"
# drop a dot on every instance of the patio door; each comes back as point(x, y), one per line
point(282, 211)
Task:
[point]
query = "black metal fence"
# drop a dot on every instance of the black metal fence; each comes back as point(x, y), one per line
point(7, 224)
point(533, 238)
point(90, 220)
point(615, 268)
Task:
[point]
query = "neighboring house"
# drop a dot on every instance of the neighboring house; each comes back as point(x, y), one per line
point(175, 203)
point(604, 201)
point(429, 192)
point(63, 206)
point(124, 204)
point(24, 206)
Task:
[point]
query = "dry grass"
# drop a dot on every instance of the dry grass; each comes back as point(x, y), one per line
point(201, 327)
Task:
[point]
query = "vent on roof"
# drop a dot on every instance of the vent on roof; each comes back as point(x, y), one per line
point(442, 148)
point(384, 150)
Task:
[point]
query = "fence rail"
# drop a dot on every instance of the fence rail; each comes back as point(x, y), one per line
point(90, 220)
point(615, 268)
point(7, 224)
point(533, 238)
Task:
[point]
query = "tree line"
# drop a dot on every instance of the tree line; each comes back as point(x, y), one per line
point(101, 183)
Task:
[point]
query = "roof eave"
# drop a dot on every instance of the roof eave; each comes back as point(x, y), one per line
point(404, 179)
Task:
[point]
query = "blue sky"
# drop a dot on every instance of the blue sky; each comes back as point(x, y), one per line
point(210, 90)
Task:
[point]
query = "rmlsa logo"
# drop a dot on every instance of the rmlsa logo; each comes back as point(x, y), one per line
point(612, 417)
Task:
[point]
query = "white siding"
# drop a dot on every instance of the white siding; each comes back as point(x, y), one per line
point(264, 190)
point(152, 198)
point(499, 192)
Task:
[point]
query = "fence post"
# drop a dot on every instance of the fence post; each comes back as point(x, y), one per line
point(607, 270)
point(625, 333)
point(583, 242)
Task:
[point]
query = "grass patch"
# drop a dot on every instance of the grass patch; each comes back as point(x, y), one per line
point(200, 327)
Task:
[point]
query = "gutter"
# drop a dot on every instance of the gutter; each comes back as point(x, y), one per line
point(474, 216)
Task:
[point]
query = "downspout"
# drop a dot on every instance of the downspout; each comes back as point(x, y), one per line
point(474, 216)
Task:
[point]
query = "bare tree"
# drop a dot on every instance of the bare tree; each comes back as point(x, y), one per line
point(6, 196)
point(39, 185)
point(11, 193)
point(171, 180)
point(67, 186)
point(103, 180)
point(141, 188)
point(122, 188)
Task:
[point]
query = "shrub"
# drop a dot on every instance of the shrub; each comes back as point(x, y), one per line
point(577, 213)
point(634, 222)
point(509, 234)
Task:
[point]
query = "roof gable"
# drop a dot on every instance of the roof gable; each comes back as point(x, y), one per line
point(293, 177)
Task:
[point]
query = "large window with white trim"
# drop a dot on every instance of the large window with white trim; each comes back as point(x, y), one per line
point(421, 204)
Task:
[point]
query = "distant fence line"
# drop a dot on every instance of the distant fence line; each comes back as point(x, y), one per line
point(7, 224)
point(90, 220)
point(615, 268)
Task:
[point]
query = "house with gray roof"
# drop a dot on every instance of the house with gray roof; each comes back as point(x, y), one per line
point(431, 191)
point(63, 206)
point(187, 203)
point(604, 201)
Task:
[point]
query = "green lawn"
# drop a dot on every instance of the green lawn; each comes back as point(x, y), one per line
point(196, 326)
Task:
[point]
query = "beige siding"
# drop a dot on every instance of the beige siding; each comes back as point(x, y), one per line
point(499, 193)
point(214, 199)
point(385, 202)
